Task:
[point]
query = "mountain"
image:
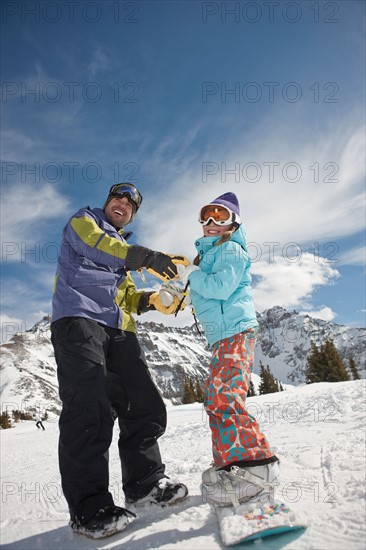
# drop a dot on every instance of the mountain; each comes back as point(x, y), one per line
point(285, 339)
point(28, 369)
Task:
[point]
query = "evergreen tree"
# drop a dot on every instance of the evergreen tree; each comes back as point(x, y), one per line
point(269, 384)
point(16, 415)
point(335, 368)
point(199, 392)
point(188, 392)
point(5, 422)
point(263, 386)
point(314, 368)
point(353, 368)
point(325, 364)
point(188, 395)
point(276, 384)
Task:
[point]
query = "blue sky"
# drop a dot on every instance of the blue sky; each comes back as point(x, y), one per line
point(189, 100)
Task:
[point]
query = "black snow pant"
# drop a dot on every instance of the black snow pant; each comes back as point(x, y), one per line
point(39, 424)
point(102, 374)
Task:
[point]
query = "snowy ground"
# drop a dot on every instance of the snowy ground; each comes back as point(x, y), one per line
point(318, 432)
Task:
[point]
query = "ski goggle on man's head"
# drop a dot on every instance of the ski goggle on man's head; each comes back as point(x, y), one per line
point(219, 214)
point(127, 190)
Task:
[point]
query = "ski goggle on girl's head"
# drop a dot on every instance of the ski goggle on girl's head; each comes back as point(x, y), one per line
point(219, 214)
point(127, 190)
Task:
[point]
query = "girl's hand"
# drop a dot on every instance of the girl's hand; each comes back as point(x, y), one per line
point(184, 272)
point(168, 291)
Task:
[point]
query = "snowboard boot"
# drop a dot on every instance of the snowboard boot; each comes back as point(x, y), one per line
point(238, 485)
point(106, 522)
point(163, 493)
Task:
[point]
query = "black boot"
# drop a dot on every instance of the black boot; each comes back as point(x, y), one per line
point(106, 522)
point(163, 493)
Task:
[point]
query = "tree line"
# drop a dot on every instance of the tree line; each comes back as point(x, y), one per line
point(194, 390)
point(324, 364)
point(16, 416)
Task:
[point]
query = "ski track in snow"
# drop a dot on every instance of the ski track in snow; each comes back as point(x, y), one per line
point(317, 431)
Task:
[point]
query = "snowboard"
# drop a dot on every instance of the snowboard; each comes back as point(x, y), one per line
point(254, 521)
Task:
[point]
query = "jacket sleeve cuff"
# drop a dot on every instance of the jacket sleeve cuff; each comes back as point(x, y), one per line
point(144, 305)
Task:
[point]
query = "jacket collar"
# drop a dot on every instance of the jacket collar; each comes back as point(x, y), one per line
point(203, 244)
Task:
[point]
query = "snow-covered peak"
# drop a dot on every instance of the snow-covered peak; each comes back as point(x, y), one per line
point(41, 326)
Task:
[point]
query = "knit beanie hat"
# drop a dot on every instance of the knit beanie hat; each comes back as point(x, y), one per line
point(230, 201)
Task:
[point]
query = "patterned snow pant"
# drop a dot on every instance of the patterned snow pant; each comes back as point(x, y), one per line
point(236, 435)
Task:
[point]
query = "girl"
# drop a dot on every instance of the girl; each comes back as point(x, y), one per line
point(219, 282)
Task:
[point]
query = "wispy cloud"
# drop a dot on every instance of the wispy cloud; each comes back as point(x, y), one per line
point(25, 217)
point(101, 61)
point(290, 284)
point(355, 256)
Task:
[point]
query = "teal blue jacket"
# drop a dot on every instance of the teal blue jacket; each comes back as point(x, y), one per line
point(221, 290)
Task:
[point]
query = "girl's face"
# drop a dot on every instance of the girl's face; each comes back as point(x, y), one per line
point(214, 230)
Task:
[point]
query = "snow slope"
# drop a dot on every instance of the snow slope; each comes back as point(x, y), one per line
point(318, 432)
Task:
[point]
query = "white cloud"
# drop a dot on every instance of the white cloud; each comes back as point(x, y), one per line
point(290, 284)
point(325, 313)
point(305, 211)
point(10, 326)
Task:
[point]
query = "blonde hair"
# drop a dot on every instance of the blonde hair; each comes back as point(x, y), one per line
point(226, 236)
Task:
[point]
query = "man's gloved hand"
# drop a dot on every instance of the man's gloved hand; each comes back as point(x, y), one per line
point(155, 301)
point(184, 272)
point(151, 301)
point(163, 266)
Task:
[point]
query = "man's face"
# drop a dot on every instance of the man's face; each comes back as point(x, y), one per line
point(118, 212)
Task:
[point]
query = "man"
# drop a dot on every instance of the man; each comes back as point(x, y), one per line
point(102, 371)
